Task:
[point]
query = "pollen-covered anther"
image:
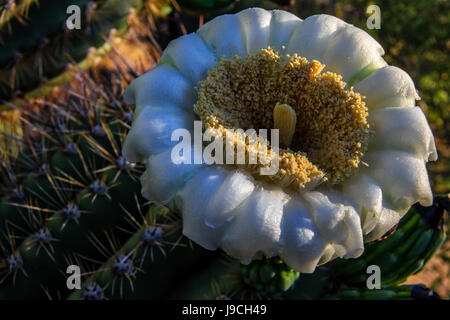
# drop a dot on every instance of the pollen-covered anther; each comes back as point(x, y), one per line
point(323, 128)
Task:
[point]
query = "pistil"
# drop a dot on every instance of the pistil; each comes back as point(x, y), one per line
point(285, 120)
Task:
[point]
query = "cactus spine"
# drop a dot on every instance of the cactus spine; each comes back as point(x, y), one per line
point(38, 49)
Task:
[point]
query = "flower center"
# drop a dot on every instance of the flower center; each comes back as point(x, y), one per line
point(323, 129)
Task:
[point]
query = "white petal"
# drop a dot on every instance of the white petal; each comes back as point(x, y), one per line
point(312, 37)
point(388, 219)
point(351, 51)
point(163, 178)
point(255, 24)
point(388, 87)
point(282, 25)
point(256, 227)
point(152, 130)
point(367, 195)
point(328, 254)
point(237, 187)
point(225, 35)
point(190, 55)
point(303, 246)
point(156, 88)
point(195, 197)
point(403, 129)
point(336, 222)
point(402, 176)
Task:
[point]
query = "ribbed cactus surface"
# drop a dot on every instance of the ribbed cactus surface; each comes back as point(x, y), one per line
point(39, 40)
point(418, 236)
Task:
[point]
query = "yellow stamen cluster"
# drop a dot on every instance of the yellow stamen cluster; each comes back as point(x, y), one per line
point(265, 91)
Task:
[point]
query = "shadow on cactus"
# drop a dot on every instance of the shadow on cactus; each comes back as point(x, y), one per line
point(69, 197)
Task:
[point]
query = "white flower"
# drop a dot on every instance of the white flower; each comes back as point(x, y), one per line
point(348, 185)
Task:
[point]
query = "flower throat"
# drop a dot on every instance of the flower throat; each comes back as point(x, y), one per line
point(322, 125)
